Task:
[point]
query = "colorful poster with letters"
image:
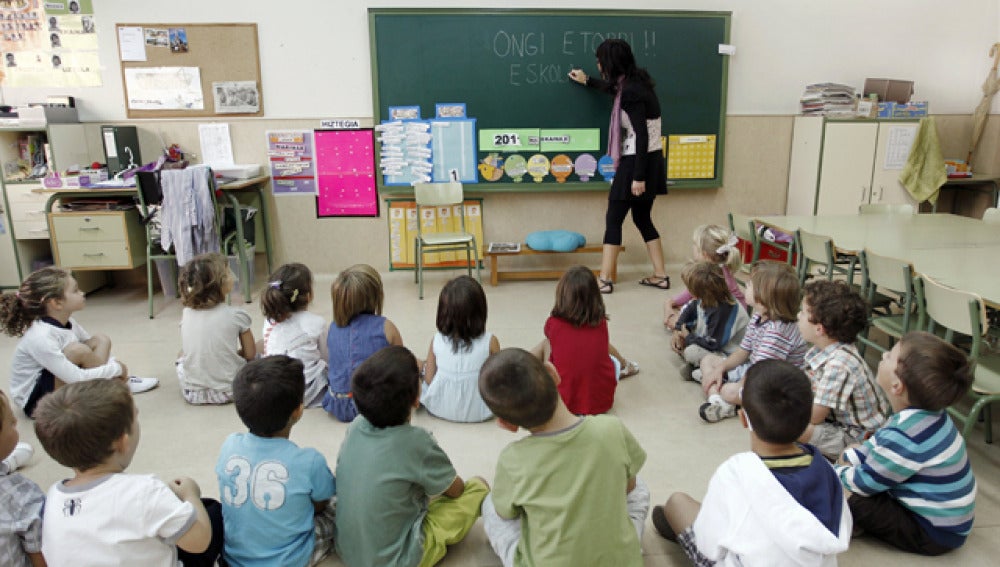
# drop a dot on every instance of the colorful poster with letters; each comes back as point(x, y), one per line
point(290, 154)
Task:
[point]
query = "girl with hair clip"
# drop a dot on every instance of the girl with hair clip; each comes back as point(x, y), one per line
point(291, 330)
point(358, 331)
point(54, 348)
point(773, 333)
point(216, 338)
point(635, 146)
point(458, 350)
point(717, 245)
point(577, 344)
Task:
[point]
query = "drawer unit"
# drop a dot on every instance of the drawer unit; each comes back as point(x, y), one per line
point(27, 212)
point(98, 240)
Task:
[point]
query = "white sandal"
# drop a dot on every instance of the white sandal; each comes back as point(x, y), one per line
point(630, 368)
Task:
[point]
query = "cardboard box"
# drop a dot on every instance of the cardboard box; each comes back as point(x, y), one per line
point(912, 109)
point(889, 90)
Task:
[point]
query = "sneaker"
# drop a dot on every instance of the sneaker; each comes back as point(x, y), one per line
point(662, 525)
point(139, 385)
point(713, 413)
point(696, 375)
point(18, 457)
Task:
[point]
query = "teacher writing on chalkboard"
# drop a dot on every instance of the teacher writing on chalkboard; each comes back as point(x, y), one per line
point(635, 146)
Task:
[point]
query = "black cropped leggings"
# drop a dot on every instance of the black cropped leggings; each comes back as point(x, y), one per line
point(615, 217)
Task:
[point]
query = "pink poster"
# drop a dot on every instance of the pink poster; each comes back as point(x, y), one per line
point(345, 173)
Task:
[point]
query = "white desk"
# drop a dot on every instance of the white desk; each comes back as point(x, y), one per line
point(957, 251)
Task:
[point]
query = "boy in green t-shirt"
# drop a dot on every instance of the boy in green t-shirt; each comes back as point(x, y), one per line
point(388, 471)
point(558, 493)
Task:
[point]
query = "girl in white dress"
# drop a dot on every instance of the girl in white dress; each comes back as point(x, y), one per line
point(458, 350)
point(291, 330)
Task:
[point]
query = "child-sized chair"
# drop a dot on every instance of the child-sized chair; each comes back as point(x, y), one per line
point(440, 195)
point(883, 274)
point(963, 312)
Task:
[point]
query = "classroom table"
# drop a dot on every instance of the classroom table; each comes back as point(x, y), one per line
point(957, 251)
point(230, 190)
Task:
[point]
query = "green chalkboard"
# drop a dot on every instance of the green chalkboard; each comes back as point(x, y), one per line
point(509, 67)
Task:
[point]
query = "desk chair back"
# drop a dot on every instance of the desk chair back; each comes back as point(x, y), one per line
point(744, 229)
point(951, 312)
point(991, 215)
point(818, 251)
point(439, 195)
point(881, 276)
point(150, 193)
point(886, 209)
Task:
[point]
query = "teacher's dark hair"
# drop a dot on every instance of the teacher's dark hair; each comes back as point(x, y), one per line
point(616, 59)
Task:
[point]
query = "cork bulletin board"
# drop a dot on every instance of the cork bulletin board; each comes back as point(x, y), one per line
point(221, 53)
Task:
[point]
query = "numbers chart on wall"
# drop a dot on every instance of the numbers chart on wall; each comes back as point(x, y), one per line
point(345, 173)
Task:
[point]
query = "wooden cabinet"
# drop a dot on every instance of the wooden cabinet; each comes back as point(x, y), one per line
point(112, 240)
point(26, 154)
point(838, 165)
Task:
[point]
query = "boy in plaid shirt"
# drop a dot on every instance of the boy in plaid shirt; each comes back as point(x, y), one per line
point(848, 405)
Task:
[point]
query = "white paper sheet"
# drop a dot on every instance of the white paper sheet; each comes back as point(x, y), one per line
point(164, 88)
point(216, 145)
point(131, 44)
point(898, 149)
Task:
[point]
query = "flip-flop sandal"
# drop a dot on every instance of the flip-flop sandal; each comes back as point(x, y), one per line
point(630, 368)
point(605, 286)
point(657, 282)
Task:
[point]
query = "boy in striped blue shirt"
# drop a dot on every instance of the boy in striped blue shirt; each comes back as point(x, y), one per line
point(910, 483)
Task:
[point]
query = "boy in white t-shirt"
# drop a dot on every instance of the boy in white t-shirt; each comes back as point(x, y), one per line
point(102, 515)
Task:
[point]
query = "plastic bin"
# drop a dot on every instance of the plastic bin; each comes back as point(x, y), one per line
point(234, 265)
point(167, 269)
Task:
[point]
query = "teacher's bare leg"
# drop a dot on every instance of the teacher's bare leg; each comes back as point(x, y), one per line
point(609, 261)
point(655, 250)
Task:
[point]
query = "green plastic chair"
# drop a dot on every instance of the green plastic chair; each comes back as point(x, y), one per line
point(883, 274)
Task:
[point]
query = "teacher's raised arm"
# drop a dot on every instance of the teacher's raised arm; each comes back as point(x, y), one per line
point(636, 148)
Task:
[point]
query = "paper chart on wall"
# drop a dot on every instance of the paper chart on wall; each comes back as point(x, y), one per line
point(345, 173)
point(898, 145)
point(290, 153)
point(164, 88)
point(216, 145)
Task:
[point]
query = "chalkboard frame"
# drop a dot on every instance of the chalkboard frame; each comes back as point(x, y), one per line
point(528, 187)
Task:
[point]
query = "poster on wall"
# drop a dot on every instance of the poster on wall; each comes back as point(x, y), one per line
point(345, 173)
point(49, 44)
point(290, 154)
point(164, 88)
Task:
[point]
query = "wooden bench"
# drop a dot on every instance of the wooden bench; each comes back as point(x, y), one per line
point(496, 274)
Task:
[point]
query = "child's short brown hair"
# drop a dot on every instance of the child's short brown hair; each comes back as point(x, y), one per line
point(841, 310)
point(777, 401)
point(201, 279)
point(936, 373)
point(776, 289)
point(79, 423)
point(706, 281)
point(517, 388)
point(356, 290)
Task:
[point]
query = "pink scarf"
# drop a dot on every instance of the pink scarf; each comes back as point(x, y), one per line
point(615, 128)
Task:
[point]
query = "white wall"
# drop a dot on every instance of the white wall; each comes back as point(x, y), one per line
point(315, 63)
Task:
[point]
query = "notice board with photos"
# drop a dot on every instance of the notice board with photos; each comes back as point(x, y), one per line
point(223, 53)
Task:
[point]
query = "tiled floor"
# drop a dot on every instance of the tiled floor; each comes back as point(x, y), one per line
point(659, 408)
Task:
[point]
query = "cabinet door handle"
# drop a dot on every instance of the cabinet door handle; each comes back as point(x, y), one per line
point(39, 230)
point(98, 255)
point(881, 188)
point(89, 228)
point(863, 190)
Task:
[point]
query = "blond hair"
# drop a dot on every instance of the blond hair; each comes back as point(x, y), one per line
point(776, 289)
point(356, 290)
point(716, 244)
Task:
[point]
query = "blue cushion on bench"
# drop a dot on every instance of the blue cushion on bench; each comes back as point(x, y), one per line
point(555, 240)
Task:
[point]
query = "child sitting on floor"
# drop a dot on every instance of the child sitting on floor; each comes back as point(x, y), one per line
point(711, 323)
point(295, 526)
point(388, 471)
point(358, 331)
point(458, 350)
point(54, 348)
point(291, 329)
point(716, 245)
point(774, 293)
point(576, 342)
point(103, 516)
point(848, 406)
point(911, 484)
point(20, 499)
point(780, 503)
point(216, 338)
point(567, 494)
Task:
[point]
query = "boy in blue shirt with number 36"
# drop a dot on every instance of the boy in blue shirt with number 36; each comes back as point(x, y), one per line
point(274, 494)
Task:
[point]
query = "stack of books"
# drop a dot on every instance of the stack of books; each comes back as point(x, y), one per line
point(828, 99)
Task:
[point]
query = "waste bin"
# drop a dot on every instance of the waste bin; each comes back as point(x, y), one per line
point(234, 265)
